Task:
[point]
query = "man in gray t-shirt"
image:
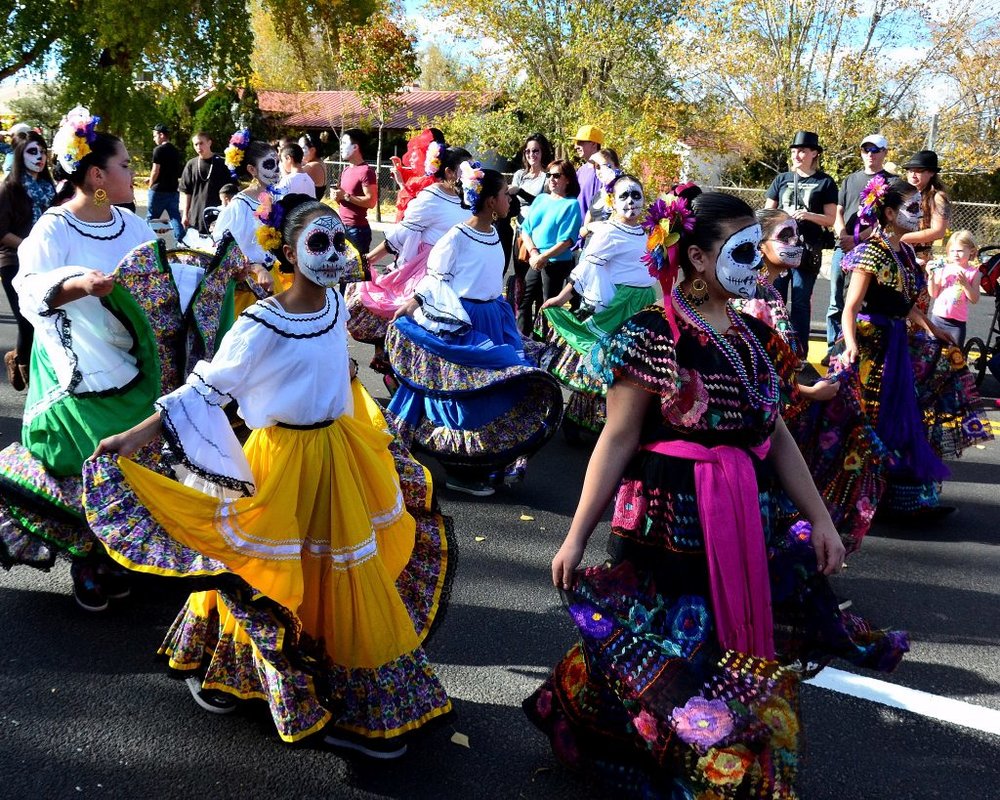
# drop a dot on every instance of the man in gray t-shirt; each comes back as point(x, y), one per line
point(873, 152)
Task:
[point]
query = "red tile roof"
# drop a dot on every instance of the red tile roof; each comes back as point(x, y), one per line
point(343, 109)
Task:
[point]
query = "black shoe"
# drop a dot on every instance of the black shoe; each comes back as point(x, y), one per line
point(116, 582)
point(915, 517)
point(87, 589)
point(212, 701)
point(382, 749)
point(825, 360)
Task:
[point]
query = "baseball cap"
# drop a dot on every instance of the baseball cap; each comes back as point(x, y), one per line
point(878, 140)
point(20, 127)
point(590, 133)
point(159, 127)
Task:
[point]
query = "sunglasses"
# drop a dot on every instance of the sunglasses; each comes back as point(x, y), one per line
point(554, 175)
point(870, 148)
point(532, 150)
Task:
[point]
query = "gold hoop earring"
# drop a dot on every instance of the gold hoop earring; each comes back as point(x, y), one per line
point(699, 291)
point(495, 216)
point(100, 197)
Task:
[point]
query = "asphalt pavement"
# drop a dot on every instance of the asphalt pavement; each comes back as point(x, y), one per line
point(87, 711)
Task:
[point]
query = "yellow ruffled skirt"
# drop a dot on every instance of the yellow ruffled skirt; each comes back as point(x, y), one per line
point(326, 547)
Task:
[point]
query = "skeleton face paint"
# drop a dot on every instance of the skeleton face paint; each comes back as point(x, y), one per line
point(347, 148)
point(738, 262)
point(33, 156)
point(909, 214)
point(268, 171)
point(785, 245)
point(628, 199)
point(322, 252)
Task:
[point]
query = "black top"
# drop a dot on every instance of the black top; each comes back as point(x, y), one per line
point(15, 217)
point(169, 159)
point(850, 195)
point(201, 180)
point(792, 192)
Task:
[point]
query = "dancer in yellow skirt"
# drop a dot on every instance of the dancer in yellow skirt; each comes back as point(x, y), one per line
point(329, 562)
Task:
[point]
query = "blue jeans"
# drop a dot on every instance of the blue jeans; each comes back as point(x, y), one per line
point(158, 202)
point(800, 312)
point(361, 236)
point(836, 308)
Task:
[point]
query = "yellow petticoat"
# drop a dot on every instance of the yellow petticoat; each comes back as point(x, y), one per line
point(326, 535)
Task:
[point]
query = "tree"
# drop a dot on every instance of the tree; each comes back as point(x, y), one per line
point(291, 61)
point(378, 60)
point(441, 73)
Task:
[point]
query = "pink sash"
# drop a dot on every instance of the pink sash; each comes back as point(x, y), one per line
point(734, 542)
point(385, 293)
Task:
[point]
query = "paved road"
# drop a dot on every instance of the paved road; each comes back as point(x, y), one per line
point(87, 712)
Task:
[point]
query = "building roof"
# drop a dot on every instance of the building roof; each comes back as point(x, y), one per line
point(344, 110)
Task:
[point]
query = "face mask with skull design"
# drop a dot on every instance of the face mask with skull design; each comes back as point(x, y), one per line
point(347, 148)
point(628, 199)
point(738, 262)
point(268, 172)
point(33, 156)
point(909, 214)
point(787, 244)
point(325, 257)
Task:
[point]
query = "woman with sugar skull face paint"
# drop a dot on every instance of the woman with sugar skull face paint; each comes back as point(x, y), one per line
point(338, 532)
point(259, 161)
point(708, 579)
point(613, 283)
point(825, 418)
point(916, 390)
point(25, 193)
point(429, 216)
point(468, 393)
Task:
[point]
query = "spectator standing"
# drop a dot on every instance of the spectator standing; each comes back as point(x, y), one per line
point(17, 135)
point(294, 180)
point(312, 164)
point(548, 234)
point(810, 196)
point(164, 177)
point(874, 149)
point(526, 184)
point(202, 178)
point(953, 284)
point(935, 207)
point(589, 140)
point(358, 190)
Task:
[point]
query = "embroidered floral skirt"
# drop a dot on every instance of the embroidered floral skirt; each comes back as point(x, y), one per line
point(475, 400)
point(328, 585)
point(373, 303)
point(845, 456)
point(647, 699)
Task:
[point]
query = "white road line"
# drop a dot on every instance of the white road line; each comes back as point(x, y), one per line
point(927, 705)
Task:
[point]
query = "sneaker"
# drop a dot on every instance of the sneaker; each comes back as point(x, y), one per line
point(212, 701)
point(475, 488)
point(383, 749)
point(87, 589)
point(116, 582)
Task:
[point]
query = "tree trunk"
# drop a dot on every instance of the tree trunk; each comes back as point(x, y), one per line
point(378, 166)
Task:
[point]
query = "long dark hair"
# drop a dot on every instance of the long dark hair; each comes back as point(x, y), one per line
point(544, 145)
point(102, 150)
point(17, 169)
point(712, 210)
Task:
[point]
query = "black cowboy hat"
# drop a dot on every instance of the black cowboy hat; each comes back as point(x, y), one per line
point(923, 159)
point(806, 139)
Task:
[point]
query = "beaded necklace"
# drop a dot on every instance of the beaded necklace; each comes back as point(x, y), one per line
point(907, 276)
point(752, 380)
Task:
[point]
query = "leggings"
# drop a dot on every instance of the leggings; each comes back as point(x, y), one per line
point(25, 330)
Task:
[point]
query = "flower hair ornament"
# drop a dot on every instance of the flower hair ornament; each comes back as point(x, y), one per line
point(666, 219)
point(868, 203)
point(237, 146)
point(72, 141)
point(432, 161)
point(271, 215)
point(471, 175)
point(609, 199)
